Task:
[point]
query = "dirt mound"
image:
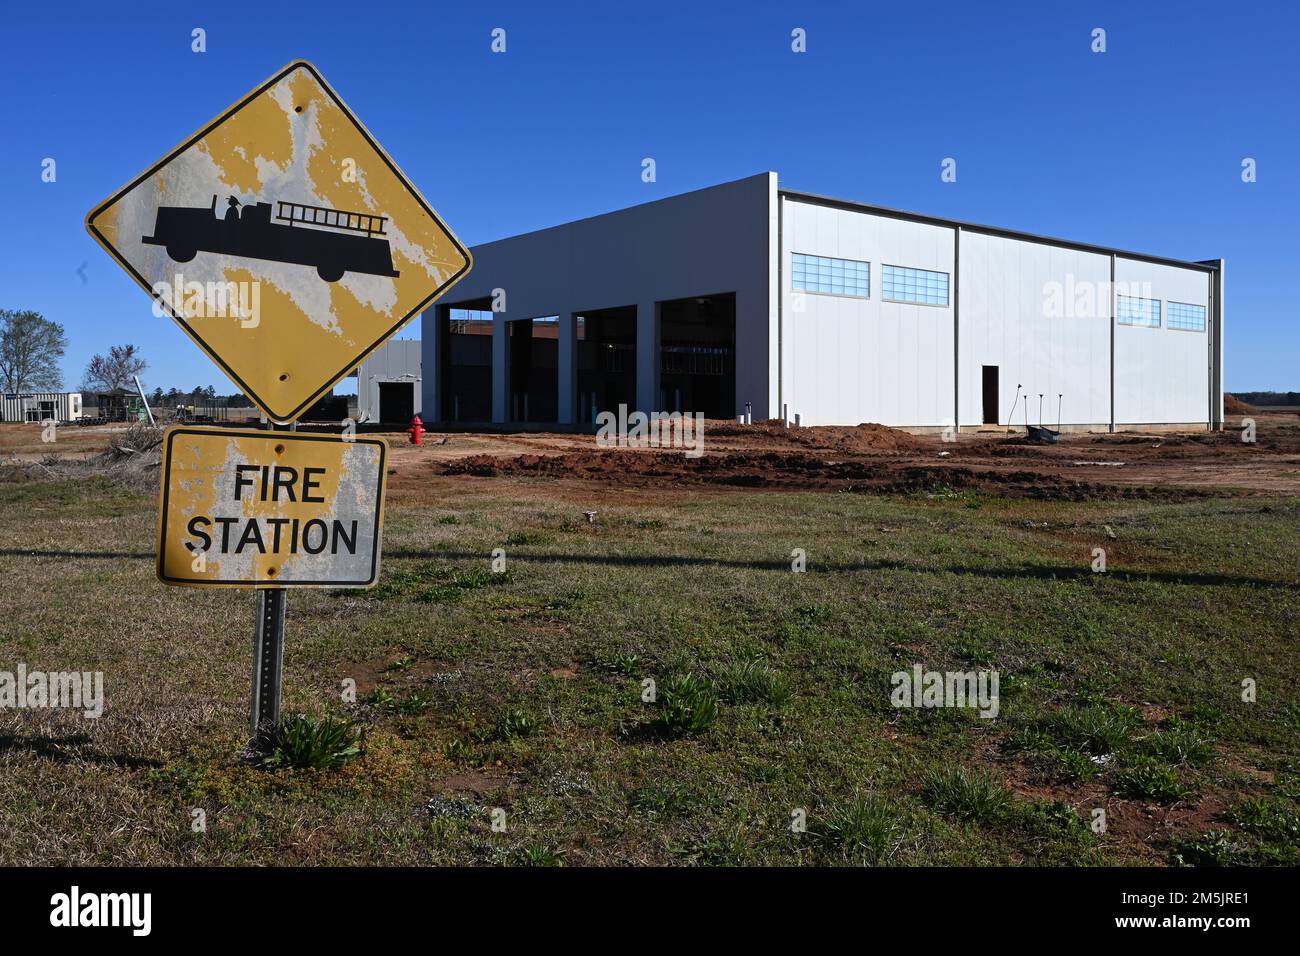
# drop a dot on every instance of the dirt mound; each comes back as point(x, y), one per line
point(1232, 405)
point(867, 437)
point(792, 470)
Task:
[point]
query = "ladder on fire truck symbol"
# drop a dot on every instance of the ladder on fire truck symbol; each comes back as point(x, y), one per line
point(295, 212)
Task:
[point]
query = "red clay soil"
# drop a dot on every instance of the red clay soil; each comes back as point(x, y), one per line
point(792, 470)
point(1232, 405)
point(873, 458)
point(857, 438)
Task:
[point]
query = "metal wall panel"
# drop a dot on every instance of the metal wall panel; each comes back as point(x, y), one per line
point(1041, 314)
point(849, 360)
point(1162, 376)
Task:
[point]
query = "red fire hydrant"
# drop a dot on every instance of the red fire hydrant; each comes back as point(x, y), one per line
point(416, 430)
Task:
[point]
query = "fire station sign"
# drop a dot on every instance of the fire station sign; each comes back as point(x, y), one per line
point(284, 240)
point(270, 509)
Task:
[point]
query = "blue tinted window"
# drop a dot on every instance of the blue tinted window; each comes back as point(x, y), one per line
point(832, 276)
point(915, 285)
point(1132, 310)
point(1185, 316)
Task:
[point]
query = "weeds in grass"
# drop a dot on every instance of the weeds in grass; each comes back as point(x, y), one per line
point(625, 662)
point(413, 703)
point(383, 700)
point(966, 794)
point(1270, 837)
point(429, 583)
point(1098, 729)
point(685, 705)
point(974, 653)
point(661, 801)
point(753, 682)
point(307, 744)
point(1064, 764)
point(1178, 745)
point(1070, 766)
point(524, 538)
point(863, 828)
point(459, 750)
point(538, 855)
point(1051, 818)
point(1213, 848)
point(1268, 818)
point(728, 848)
point(454, 587)
point(449, 519)
point(516, 723)
point(1151, 779)
point(809, 614)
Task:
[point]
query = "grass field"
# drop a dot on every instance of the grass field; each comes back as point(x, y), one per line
point(522, 691)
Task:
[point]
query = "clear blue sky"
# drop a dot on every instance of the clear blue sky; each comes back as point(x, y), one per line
point(1139, 147)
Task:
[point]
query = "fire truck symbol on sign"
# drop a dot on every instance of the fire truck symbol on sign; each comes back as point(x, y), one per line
point(284, 200)
point(359, 245)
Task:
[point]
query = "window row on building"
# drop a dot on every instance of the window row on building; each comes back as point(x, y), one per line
point(1134, 310)
point(850, 277)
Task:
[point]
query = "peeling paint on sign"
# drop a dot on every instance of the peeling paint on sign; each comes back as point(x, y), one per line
point(285, 193)
point(270, 509)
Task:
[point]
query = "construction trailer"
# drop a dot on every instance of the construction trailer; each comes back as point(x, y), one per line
point(41, 407)
point(118, 405)
point(751, 295)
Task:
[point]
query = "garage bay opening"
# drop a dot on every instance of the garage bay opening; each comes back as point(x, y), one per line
point(533, 367)
point(697, 355)
point(466, 360)
point(606, 361)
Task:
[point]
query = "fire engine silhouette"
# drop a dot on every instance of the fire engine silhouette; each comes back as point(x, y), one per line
point(301, 234)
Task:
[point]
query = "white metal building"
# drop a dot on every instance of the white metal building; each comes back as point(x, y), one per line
point(388, 383)
point(836, 311)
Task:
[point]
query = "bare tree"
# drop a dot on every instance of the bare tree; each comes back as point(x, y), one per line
point(30, 349)
point(105, 373)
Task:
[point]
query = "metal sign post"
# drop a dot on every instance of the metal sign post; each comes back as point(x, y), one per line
point(268, 661)
point(268, 666)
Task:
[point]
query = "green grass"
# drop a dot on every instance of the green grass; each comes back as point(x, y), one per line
point(523, 690)
point(865, 828)
point(753, 682)
point(966, 795)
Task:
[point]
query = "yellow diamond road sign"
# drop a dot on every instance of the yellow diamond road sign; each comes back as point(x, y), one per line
point(284, 241)
point(270, 508)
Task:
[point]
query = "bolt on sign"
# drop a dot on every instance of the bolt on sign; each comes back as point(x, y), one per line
point(284, 240)
point(244, 508)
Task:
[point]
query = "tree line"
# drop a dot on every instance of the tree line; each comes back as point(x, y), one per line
point(32, 347)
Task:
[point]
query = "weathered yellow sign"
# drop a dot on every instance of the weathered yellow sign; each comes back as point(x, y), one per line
point(270, 509)
point(284, 241)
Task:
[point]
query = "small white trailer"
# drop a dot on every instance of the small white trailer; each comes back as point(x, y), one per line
point(40, 407)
